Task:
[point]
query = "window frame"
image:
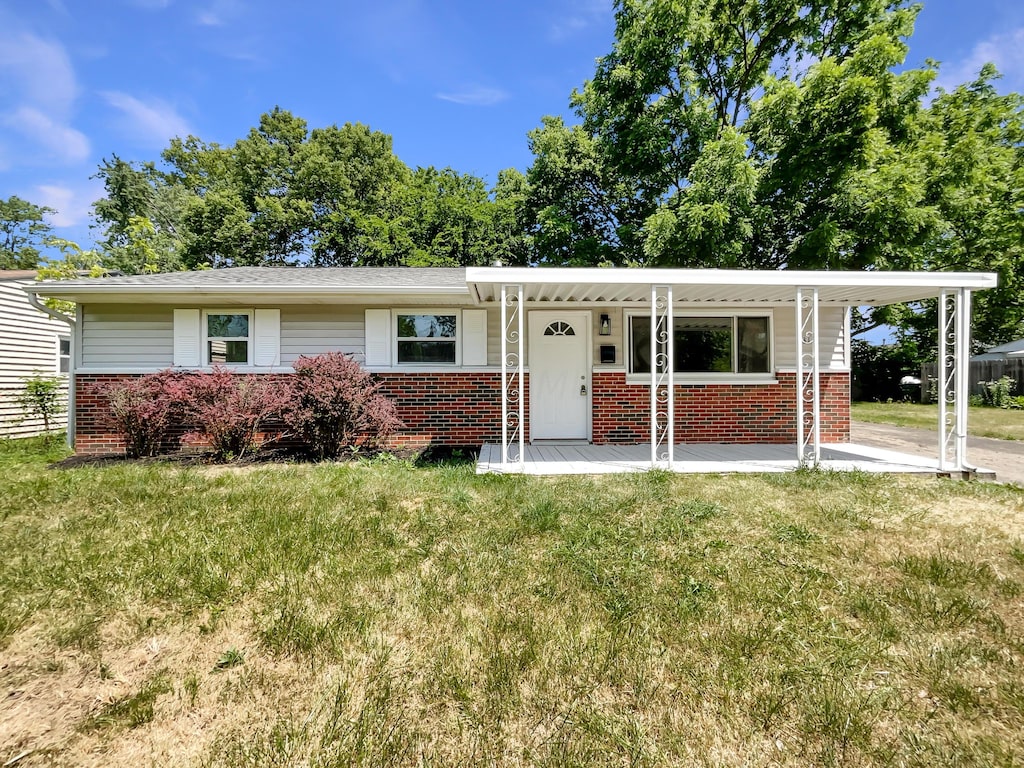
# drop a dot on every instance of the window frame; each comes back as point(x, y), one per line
point(60, 356)
point(705, 377)
point(456, 339)
point(206, 338)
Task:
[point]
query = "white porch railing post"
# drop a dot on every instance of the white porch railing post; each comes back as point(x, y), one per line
point(808, 378)
point(512, 389)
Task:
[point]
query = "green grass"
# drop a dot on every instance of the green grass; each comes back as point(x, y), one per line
point(380, 613)
point(1004, 424)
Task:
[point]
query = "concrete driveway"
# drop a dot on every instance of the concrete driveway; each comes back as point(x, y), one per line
point(1005, 457)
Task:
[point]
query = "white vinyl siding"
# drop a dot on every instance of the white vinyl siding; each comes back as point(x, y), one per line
point(831, 342)
point(28, 345)
point(314, 330)
point(127, 336)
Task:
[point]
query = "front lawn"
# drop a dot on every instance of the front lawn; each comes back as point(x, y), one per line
point(380, 613)
point(1005, 424)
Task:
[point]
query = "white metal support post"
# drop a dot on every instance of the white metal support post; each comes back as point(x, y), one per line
point(513, 431)
point(808, 378)
point(953, 384)
point(946, 370)
point(662, 378)
point(963, 369)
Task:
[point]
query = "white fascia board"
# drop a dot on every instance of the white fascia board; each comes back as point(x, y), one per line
point(793, 278)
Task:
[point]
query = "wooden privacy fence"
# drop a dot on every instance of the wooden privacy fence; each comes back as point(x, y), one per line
point(981, 370)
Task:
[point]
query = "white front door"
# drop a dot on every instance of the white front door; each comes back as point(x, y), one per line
point(559, 375)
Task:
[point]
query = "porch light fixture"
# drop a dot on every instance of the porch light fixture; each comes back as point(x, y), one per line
point(606, 325)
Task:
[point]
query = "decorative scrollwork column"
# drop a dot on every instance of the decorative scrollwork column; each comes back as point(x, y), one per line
point(808, 378)
point(662, 377)
point(953, 385)
point(512, 390)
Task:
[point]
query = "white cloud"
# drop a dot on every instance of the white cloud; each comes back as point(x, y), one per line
point(153, 122)
point(476, 96)
point(39, 70)
point(61, 140)
point(579, 14)
point(1005, 50)
point(150, 5)
point(38, 81)
point(72, 203)
point(219, 13)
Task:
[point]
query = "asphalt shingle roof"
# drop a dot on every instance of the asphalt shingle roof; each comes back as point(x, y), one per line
point(290, 277)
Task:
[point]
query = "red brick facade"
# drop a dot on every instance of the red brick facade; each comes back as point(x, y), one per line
point(448, 408)
point(718, 413)
point(464, 408)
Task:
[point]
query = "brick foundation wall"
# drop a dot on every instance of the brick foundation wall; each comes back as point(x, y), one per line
point(718, 413)
point(458, 408)
point(464, 408)
point(448, 408)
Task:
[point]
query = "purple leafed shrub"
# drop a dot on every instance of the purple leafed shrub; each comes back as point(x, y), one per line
point(229, 409)
point(143, 410)
point(336, 405)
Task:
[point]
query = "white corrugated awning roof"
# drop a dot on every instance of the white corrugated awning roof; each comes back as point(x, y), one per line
point(719, 286)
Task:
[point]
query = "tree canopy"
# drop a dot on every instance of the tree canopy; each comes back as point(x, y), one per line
point(783, 134)
point(766, 134)
point(23, 230)
point(288, 195)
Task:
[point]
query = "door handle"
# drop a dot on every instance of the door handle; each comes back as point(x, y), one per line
point(583, 390)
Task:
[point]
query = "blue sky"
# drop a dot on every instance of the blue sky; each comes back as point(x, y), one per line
point(456, 83)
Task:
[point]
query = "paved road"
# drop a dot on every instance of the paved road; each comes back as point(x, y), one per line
point(1006, 457)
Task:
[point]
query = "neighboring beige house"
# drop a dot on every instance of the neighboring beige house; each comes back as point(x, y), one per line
point(31, 342)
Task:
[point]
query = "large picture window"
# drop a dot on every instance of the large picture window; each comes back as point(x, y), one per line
point(427, 339)
point(704, 344)
point(228, 338)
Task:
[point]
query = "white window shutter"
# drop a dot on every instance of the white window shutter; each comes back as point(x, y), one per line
point(187, 338)
point(267, 343)
point(474, 337)
point(378, 336)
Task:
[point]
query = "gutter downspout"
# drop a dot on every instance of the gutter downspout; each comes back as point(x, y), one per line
point(33, 299)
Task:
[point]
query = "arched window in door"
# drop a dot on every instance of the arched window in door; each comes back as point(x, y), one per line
point(558, 328)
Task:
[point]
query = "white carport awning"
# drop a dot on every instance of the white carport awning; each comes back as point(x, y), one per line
point(718, 286)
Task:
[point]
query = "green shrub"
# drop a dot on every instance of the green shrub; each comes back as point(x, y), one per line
point(997, 394)
point(42, 397)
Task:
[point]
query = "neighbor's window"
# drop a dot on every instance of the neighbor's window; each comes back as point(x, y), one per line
point(727, 344)
point(426, 339)
point(63, 354)
point(227, 338)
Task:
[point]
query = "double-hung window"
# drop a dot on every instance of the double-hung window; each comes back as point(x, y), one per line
point(63, 354)
point(427, 339)
point(706, 344)
point(228, 337)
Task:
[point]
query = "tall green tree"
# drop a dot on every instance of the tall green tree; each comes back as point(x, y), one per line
point(23, 229)
point(782, 134)
point(970, 149)
point(334, 196)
